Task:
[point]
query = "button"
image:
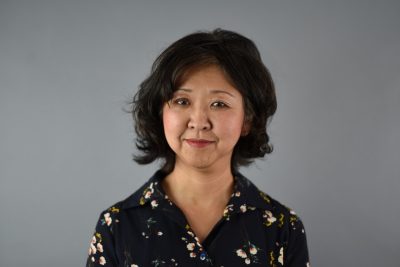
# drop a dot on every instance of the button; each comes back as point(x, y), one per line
point(203, 256)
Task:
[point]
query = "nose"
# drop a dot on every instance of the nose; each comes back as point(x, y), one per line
point(199, 120)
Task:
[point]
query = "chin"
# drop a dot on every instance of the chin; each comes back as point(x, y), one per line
point(198, 164)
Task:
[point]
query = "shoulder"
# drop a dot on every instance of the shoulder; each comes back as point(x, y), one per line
point(279, 213)
point(281, 220)
point(149, 191)
point(274, 212)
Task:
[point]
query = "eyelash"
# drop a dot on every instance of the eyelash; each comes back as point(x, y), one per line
point(185, 102)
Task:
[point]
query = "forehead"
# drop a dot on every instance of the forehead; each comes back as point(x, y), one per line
point(212, 77)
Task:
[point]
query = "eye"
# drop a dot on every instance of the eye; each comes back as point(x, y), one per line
point(219, 104)
point(181, 101)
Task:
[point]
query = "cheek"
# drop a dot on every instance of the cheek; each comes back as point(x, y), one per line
point(171, 122)
point(232, 126)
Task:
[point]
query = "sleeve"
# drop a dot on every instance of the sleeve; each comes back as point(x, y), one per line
point(297, 249)
point(102, 245)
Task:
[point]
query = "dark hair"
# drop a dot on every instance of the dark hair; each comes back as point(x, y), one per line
point(239, 59)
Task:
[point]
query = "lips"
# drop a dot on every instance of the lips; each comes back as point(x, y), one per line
point(198, 143)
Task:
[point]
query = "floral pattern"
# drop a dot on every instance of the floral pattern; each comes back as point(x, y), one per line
point(148, 229)
point(193, 246)
point(248, 252)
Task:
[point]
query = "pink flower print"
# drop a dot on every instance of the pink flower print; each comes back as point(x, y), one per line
point(149, 191)
point(241, 253)
point(100, 247)
point(253, 250)
point(148, 194)
point(107, 219)
point(248, 253)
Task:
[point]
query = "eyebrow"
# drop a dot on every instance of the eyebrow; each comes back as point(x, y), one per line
point(216, 91)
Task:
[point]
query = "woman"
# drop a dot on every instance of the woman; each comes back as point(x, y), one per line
point(203, 110)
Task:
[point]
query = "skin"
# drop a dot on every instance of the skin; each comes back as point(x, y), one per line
point(202, 124)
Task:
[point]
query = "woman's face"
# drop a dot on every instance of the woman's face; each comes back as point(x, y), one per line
point(204, 119)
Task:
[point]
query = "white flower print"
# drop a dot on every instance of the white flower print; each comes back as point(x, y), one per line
point(102, 260)
point(247, 261)
point(243, 208)
point(92, 259)
point(160, 233)
point(190, 246)
point(308, 264)
point(154, 204)
point(190, 233)
point(93, 239)
point(280, 258)
point(241, 253)
point(192, 255)
point(134, 265)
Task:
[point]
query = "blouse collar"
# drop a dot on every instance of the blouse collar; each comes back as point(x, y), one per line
point(245, 196)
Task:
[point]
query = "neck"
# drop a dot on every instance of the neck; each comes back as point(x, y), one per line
point(198, 187)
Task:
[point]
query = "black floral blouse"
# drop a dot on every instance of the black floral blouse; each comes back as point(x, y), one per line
point(147, 229)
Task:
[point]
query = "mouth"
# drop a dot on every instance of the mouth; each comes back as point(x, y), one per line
point(198, 143)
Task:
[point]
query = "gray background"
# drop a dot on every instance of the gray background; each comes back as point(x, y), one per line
point(68, 68)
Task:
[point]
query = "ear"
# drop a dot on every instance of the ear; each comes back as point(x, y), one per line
point(246, 128)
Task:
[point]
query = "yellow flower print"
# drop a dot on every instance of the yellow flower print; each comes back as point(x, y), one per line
point(281, 222)
point(114, 210)
point(270, 219)
point(265, 197)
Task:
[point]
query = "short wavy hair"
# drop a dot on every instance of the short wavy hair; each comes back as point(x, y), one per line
point(239, 59)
